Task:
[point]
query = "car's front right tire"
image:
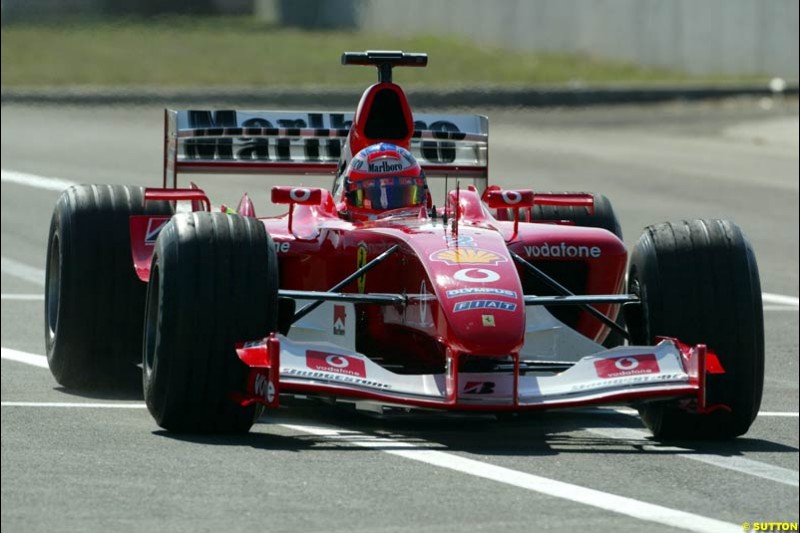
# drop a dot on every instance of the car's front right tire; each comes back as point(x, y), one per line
point(698, 281)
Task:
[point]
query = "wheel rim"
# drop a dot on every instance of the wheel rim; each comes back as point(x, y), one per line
point(53, 291)
point(151, 321)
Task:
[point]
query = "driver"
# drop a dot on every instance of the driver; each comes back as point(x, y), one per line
point(381, 178)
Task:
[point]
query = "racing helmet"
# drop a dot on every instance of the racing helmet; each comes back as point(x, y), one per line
point(383, 177)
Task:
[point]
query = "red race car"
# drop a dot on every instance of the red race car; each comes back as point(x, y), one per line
point(497, 301)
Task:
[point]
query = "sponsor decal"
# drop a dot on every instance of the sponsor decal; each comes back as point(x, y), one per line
point(339, 319)
point(300, 194)
point(326, 144)
point(488, 321)
point(562, 250)
point(376, 248)
point(469, 291)
point(264, 388)
point(511, 197)
point(459, 240)
point(494, 305)
point(385, 166)
point(361, 260)
point(335, 363)
point(467, 256)
point(476, 275)
point(629, 380)
point(341, 378)
point(154, 227)
point(478, 387)
point(282, 247)
point(632, 365)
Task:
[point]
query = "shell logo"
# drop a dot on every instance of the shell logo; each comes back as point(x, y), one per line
point(467, 256)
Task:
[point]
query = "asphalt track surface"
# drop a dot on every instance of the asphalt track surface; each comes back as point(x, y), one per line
point(85, 463)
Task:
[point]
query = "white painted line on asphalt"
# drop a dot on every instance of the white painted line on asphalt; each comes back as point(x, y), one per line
point(134, 405)
point(735, 463)
point(22, 297)
point(32, 180)
point(780, 299)
point(550, 487)
point(634, 412)
point(780, 308)
point(22, 271)
point(24, 357)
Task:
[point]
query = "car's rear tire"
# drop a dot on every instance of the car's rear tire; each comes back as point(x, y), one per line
point(698, 281)
point(213, 283)
point(602, 216)
point(94, 301)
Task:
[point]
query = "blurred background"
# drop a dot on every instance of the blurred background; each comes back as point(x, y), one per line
point(276, 43)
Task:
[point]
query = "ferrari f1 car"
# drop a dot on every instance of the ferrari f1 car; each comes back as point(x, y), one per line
point(498, 301)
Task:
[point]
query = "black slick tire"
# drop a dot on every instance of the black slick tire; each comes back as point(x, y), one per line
point(698, 281)
point(213, 283)
point(94, 302)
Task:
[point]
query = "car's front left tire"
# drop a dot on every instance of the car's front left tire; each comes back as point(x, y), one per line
point(213, 283)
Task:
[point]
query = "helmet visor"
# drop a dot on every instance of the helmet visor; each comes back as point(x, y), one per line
point(386, 193)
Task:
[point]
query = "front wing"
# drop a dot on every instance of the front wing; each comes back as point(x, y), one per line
point(620, 375)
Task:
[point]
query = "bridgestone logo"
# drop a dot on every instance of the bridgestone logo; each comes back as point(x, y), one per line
point(385, 166)
point(562, 250)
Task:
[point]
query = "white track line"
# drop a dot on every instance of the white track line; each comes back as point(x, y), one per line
point(550, 487)
point(634, 412)
point(129, 405)
point(22, 271)
point(780, 308)
point(22, 297)
point(735, 463)
point(24, 357)
point(32, 180)
point(780, 299)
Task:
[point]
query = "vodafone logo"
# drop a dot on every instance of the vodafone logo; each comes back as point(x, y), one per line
point(336, 363)
point(631, 365)
point(476, 275)
point(265, 388)
point(511, 197)
point(626, 363)
point(300, 194)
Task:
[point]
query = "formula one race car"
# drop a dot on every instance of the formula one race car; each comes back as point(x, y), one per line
point(498, 301)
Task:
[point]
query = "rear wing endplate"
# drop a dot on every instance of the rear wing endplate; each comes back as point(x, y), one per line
point(298, 142)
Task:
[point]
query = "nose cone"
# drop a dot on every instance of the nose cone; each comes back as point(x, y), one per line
point(479, 291)
point(483, 308)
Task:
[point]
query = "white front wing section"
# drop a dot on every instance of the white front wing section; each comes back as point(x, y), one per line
point(334, 370)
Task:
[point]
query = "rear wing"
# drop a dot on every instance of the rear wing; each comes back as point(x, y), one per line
point(299, 142)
